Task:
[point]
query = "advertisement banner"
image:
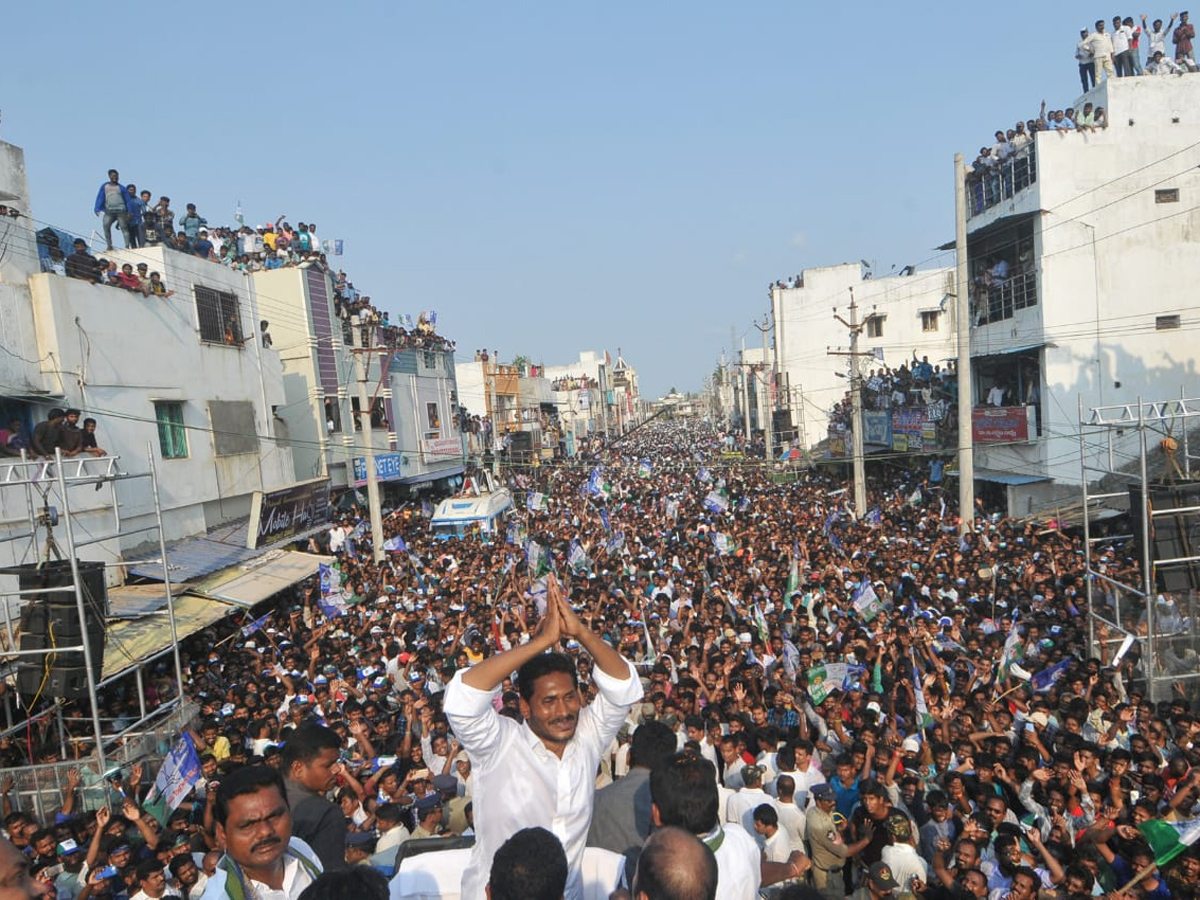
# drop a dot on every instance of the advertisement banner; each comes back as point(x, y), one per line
point(441, 447)
point(877, 426)
point(290, 511)
point(908, 429)
point(1000, 424)
point(387, 468)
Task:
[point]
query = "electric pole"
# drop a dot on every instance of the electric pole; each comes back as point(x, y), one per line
point(768, 426)
point(745, 392)
point(962, 307)
point(365, 408)
point(856, 425)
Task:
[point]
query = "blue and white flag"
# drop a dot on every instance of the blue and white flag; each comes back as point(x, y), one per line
point(604, 520)
point(576, 557)
point(875, 517)
point(536, 559)
point(744, 503)
point(673, 510)
point(704, 475)
point(251, 627)
point(513, 535)
point(614, 544)
point(721, 543)
point(595, 484)
point(1045, 679)
point(535, 501)
point(426, 509)
point(325, 578)
point(715, 503)
point(867, 602)
point(395, 544)
point(644, 468)
point(176, 777)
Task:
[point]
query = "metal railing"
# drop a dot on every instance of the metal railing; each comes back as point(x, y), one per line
point(1001, 182)
point(38, 789)
point(1002, 300)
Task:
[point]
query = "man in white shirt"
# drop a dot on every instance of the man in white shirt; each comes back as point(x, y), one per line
point(254, 824)
point(684, 794)
point(902, 855)
point(1101, 45)
point(791, 816)
point(542, 772)
point(742, 804)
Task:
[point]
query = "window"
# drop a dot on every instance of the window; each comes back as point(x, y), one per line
point(1166, 323)
point(220, 317)
point(1166, 195)
point(172, 435)
point(929, 320)
point(333, 416)
point(875, 326)
point(431, 359)
point(432, 415)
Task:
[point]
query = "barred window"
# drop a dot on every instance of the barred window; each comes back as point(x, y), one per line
point(220, 316)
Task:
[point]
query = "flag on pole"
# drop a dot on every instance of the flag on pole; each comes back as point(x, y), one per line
point(252, 627)
point(576, 557)
point(395, 544)
point(715, 503)
point(535, 501)
point(1169, 839)
point(604, 520)
point(1045, 679)
point(536, 559)
point(176, 777)
point(426, 509)
point(614, 544)
point(867, 602)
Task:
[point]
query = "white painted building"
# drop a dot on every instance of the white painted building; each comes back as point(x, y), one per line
point(410, 389)
point(907, 313)
point(183, 375)
point(1092, 253)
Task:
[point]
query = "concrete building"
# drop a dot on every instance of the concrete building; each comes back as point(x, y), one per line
point(596, 395)
point(1081, 251)
point(907, 314)
point(410, 388)
point(183, 375)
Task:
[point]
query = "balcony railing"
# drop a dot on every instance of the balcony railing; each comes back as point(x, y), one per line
point(1002, 182)
point(1000, 301)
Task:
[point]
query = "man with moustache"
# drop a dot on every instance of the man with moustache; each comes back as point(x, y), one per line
point(263, 860)
point(539, 773)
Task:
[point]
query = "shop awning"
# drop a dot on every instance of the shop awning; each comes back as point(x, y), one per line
point(1008, 478)
point(128, 642)
point(196, 557)
point(1007, 351)
point(258, 579)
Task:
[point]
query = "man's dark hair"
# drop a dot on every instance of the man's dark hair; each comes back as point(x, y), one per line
point(544, 664)
point(388, 812)
point(147, 867)
point(675, 865)
point(766, 814)
point(179, 862)
point(350, 883)
point(684, 789)
point(653, 743)
point(248, 780)
point(530, 865)
point(306, 743)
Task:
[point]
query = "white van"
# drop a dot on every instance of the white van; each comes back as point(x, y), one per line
point(459, 516)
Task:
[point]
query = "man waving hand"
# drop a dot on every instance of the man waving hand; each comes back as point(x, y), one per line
point(541, 772)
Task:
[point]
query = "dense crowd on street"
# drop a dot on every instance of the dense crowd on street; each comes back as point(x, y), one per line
point(868, 705)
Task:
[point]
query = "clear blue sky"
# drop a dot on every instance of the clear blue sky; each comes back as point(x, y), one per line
point(549, 177)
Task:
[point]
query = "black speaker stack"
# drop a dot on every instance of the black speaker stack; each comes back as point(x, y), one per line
point(50, 619)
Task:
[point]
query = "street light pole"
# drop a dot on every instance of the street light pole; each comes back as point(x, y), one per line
point(966, 444)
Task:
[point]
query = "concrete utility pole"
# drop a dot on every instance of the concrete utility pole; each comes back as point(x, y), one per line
point(364, 416)
point(857, 435)
point(765, 405)
point(745, 392)
point(962, 306)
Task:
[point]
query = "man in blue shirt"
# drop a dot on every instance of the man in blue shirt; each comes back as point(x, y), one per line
point(113, 201)
point(137, 216)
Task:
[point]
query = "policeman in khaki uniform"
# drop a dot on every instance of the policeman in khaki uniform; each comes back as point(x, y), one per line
point(826, 847)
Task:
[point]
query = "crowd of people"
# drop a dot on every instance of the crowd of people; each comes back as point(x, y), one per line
point(59, 432)
point(673, 650)
point(1106, 53)
point(917, 384)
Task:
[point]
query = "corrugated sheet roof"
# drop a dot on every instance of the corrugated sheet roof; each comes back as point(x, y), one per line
point(194, 557)
point(247, 585)
point(129, 641)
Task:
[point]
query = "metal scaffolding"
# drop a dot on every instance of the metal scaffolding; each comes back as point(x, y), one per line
point(1116, 444)
point(51, 536)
